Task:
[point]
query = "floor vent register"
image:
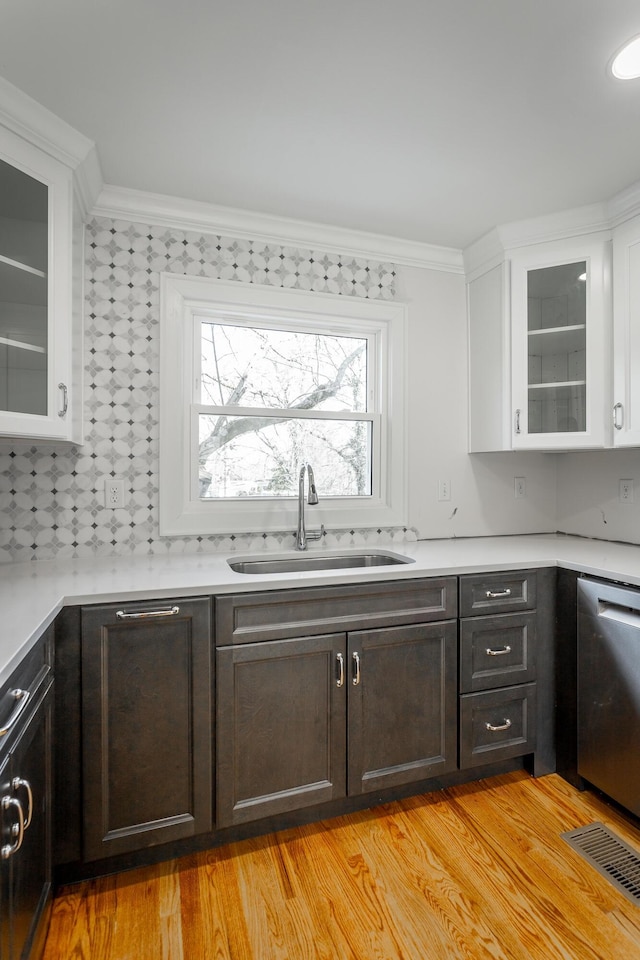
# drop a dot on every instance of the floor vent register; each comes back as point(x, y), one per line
point(610, 855)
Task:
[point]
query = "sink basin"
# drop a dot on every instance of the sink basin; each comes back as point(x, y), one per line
point(316, 562)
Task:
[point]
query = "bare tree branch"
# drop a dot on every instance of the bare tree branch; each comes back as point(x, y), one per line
point(227, 429)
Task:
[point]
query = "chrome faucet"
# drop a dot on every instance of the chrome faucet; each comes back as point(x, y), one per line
point(301, 534)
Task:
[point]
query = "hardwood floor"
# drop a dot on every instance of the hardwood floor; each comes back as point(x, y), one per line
point(472, 872)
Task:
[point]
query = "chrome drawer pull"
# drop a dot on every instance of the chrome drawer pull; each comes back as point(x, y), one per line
point(18, 783)
point(121, 615)
point(498, 594)
point(502, 726)
point(340, 680)
point(21, 697)
point(17, 829)
point(497, 651)
point(356, 670)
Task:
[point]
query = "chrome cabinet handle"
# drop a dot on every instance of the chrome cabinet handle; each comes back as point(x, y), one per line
point(517, 421)
point(17, 829)
point(498, 594)
point(340, 680)
point(618, 422)
point(65, 399)
point(19, 784)
point(21, 697)
point(502, 726)
point(171, 612)
point(497, 651)
point(356, 669)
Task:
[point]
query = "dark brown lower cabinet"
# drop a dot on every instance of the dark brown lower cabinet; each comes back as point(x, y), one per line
point(146, 724)
point(294, 715)
point(281, 726)
point(25, 809)
point(403, 709)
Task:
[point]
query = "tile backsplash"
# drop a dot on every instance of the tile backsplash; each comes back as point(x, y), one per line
point(51, 496)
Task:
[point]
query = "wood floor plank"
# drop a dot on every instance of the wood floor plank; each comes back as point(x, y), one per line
point(212, 924)
point(538, 883)
point(515, 919)
point(169, 912)
point(475, 872)
point(433, 902)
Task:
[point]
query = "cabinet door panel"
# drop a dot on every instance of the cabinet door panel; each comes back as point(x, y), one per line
point(280, 727)
point(31, 866)
point(561, 325)
point(7, 819)
point(147, 752)
point(402, 712)
point(626, 334)
point(36, 302)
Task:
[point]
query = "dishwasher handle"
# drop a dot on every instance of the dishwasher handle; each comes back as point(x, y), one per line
point(619, 613)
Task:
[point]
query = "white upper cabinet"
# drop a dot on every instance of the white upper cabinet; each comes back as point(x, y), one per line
point(626, 334)
point(539, 346)
point(49, 180)
point(489, 337)
point(560, 314)
point(35, 292)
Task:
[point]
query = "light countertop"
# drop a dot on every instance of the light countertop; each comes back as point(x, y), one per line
point(33, 593)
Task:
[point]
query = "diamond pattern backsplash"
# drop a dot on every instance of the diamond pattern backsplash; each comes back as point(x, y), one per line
point(51, 497)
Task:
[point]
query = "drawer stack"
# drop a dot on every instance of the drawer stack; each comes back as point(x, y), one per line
point(497, 666)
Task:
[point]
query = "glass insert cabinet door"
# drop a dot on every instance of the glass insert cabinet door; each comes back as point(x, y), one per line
point(556, 348)
point(24, 240)
point(560, 340)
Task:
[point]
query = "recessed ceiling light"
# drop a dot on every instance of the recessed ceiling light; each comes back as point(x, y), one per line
point(625, 64)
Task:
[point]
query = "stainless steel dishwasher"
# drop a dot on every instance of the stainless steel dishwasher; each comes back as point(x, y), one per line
point(609, 690)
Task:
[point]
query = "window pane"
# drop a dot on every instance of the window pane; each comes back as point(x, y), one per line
point(277, 368)
point(261, 456)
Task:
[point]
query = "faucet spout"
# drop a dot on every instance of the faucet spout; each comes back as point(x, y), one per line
point(302, 537)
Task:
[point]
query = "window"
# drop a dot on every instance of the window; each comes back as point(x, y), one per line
point(256, 381)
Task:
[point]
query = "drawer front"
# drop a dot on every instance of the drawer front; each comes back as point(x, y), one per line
point(507, 592)
point(22, 687)
point(497, 651)
point(497, 725)
point(252, 617)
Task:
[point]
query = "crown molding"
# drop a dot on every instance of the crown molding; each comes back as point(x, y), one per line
point(490, 249)
point(88, 182)
point(624, 205)
point(174, 212)
point(483, 254)
point(486, 252)
point(33, 122)
point(29, 120)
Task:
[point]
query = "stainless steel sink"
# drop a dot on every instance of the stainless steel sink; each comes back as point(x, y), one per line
point(316, 562)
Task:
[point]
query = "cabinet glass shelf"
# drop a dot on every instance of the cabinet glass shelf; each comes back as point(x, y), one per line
point(557, 407)
point(556, 348)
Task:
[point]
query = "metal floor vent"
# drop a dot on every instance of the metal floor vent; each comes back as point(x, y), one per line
point(610, 855)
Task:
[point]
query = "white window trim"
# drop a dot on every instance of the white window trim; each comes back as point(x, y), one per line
point(182, 299)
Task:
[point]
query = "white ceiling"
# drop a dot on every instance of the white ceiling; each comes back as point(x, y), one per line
point(430, 120)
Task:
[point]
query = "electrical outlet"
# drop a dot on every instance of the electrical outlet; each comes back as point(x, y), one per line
point(113, 492)
point(519, 487)
point(625, 491)
point(444, 490)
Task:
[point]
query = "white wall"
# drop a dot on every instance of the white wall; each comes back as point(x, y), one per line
point(482, 485)
point(588, 502)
